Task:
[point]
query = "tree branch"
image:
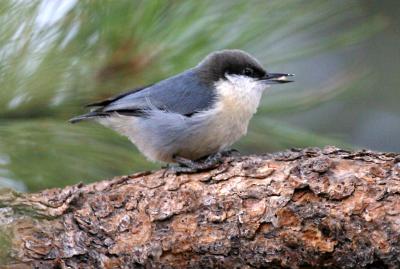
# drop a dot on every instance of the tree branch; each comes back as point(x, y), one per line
point(306, 208)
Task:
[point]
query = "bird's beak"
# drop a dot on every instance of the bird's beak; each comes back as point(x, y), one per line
point(276, 78)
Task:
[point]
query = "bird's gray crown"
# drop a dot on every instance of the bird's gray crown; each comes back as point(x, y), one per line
point(217, 64)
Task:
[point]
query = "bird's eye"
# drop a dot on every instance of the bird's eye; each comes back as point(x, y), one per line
point(248, 72)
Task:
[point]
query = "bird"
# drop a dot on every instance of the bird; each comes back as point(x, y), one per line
point(190, 119)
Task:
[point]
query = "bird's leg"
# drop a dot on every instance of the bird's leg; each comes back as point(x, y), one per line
point(189, 166)
point(178, 169)
point(210, 162)
point(229, 152)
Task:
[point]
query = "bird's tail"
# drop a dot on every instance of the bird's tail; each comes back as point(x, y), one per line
point(88, 116)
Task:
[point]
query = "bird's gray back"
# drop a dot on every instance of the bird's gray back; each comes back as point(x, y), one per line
point(184, 94)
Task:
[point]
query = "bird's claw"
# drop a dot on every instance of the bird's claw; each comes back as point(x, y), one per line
point(188, 166)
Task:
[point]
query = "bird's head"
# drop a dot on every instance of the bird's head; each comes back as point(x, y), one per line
point(239, 68)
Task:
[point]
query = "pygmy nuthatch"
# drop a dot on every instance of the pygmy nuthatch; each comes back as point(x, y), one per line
point(193, 115)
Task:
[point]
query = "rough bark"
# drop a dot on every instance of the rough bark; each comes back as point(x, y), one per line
point(306, 208)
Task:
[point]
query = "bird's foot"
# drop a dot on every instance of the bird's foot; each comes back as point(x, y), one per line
point(174, 169)
point(179, 169)
point(189, 166)
point(230, 152)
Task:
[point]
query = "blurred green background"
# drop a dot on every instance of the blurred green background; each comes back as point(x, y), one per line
point(55, 56)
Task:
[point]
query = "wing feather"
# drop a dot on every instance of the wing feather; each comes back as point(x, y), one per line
point(183, 94)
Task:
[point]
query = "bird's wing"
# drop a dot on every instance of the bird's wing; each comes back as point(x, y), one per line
point(183, 94)
point(108, 101)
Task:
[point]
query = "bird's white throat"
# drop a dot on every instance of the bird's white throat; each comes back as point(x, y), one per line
point(240, 95)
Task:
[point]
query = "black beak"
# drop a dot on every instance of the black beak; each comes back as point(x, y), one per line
point(276, 78)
